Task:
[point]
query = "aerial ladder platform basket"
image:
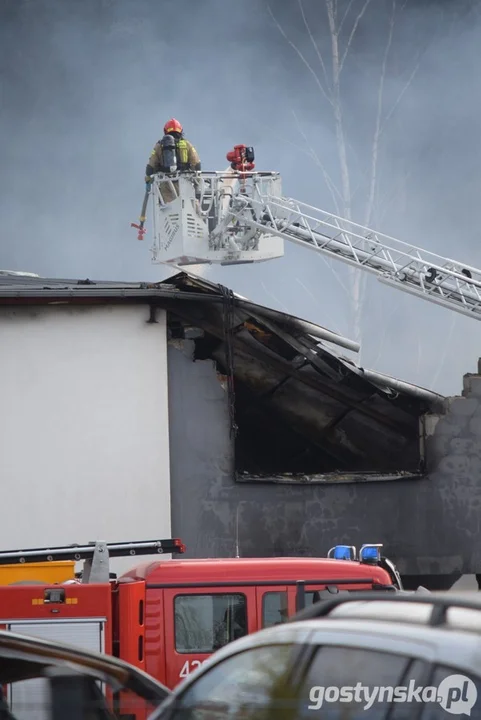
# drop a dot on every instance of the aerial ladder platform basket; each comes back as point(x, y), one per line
point(193, 222)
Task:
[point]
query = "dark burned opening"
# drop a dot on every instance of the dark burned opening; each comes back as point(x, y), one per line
point(297, 421)
point(268, 445)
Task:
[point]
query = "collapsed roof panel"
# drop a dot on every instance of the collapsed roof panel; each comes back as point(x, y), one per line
point(301, 407)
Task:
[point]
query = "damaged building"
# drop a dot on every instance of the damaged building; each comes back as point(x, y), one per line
point(183, 409)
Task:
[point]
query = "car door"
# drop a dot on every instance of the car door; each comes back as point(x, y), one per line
point(459, 693)
point(345, 681)
point(365, 683)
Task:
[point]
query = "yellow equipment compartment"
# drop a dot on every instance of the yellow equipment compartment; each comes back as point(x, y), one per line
point(57, 571)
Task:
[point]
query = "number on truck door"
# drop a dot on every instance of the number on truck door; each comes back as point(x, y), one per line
point(189, 666)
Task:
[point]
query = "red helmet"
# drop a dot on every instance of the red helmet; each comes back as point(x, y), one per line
point(172, 125)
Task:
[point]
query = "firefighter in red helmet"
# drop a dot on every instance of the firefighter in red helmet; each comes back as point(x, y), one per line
point(187, 158)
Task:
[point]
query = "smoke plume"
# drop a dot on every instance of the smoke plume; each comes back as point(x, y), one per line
point(85, 88)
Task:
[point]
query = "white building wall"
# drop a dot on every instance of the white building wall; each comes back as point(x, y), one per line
point(84, 438)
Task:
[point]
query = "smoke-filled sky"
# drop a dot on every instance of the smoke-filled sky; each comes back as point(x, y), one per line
point(86, 86)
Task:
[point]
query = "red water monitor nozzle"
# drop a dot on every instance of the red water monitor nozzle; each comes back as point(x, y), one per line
point(241, 158)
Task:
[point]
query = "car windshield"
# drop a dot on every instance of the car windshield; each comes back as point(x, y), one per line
point(245, 685)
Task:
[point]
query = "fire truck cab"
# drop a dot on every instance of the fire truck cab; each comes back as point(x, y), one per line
point(166, 617)
point(195, 607)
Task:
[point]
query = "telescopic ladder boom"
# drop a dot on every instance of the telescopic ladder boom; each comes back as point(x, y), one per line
point(408, 268)
point(233, 218)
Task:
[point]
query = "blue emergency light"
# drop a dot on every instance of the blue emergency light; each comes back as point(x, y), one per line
point(342, 552)
point(370, 554)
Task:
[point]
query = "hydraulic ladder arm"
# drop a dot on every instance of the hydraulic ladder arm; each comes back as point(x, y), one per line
point(234, 217)
point(409, 268)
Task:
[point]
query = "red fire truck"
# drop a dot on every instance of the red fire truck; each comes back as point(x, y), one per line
point(166, 617)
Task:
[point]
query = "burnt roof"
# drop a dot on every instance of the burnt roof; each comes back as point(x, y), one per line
point(18, 287)
point(296, 369)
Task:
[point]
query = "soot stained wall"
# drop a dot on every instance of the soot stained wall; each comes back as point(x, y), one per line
point(429, 526)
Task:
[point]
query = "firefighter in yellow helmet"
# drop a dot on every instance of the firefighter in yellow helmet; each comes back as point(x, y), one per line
point(187, 157)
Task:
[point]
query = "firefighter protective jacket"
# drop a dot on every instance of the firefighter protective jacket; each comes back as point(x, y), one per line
point(187, 157)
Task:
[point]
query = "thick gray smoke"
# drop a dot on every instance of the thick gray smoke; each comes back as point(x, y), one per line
point(85, 88)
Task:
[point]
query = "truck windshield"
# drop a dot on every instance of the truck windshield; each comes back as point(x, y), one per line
point(205, 623)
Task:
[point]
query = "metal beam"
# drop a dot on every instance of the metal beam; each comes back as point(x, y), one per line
point(401, 386)
point(302, 325)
